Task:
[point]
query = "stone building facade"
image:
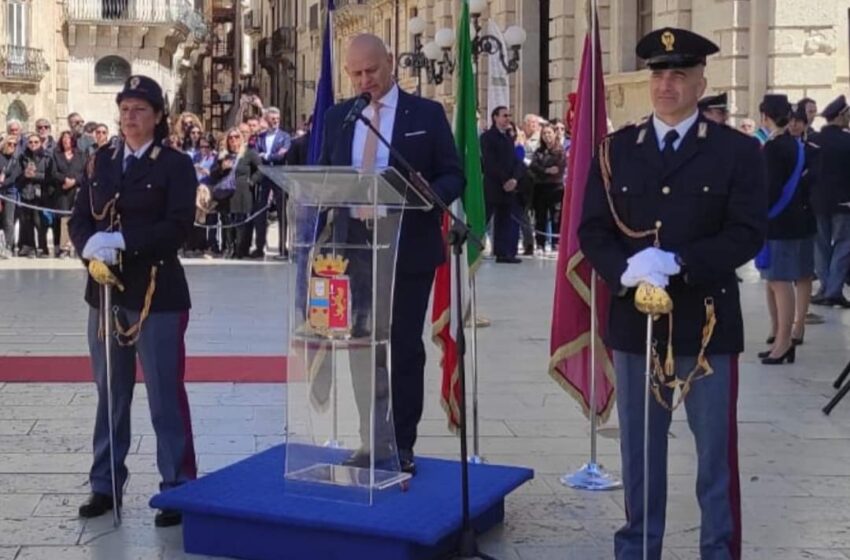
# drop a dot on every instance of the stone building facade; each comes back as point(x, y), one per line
point(799, 47)
point(33, 61)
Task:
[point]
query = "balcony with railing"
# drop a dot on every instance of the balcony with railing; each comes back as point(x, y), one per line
point(22, 64)
point(284, 40)
point(142, 12)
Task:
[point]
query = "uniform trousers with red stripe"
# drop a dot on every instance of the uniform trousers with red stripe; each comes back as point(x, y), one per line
point(711, 408)
point(162, 353)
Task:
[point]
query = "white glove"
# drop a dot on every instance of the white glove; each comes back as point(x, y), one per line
point(103, 240)
point(107, 256)
point(652, 260)
point(630, 279)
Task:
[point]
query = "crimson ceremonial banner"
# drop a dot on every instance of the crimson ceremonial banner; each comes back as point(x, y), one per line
point(569, 362)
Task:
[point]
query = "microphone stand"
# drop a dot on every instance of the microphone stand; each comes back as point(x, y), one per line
point(459, 234)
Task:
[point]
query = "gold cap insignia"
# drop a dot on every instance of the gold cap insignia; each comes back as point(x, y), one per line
point(668, 40)
point(134, 82)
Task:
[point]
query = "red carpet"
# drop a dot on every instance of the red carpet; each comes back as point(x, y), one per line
point(70, 369)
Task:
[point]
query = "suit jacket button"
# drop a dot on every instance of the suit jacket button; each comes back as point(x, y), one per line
point(149, 186)
point(658, 224)
point(706, 188)
point(625, 189)
point(666, 190)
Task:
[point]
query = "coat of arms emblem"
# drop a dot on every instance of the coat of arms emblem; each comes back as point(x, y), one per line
point(329, 301)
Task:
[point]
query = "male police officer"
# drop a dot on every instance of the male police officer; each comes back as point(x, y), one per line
point(831, 204)
point(715, 107)
point(677, 201)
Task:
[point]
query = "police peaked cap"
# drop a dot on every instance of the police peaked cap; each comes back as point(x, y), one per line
point(714, 102)
point(835, 108)
point(142, 87)
point(674, 48)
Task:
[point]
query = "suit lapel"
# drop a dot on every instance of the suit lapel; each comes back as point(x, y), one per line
point(400, 124)
point(142, 166)
point(346, 141)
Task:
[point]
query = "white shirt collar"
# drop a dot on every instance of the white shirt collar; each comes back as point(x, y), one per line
point(662, 128)
point(138, 153)
point(390, 99)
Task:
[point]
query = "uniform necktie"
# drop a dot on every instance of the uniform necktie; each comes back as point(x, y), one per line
point(129, 161)
point(370, 148)
point(669, 150)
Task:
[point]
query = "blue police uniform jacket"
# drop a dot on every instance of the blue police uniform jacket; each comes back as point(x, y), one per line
point(833, 170)
point(156, 207)
point(710, 203)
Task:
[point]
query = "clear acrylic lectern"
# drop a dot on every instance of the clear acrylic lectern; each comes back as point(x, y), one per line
point(343, 236)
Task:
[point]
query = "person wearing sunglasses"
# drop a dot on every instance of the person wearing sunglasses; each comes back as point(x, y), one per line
point(68, 170)
point(101, 135)
point(43, 128)
point(34, 184)
point(9, 172)
point(142, 229)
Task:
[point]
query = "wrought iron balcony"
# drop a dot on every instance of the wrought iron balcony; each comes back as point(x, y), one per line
point(22, 64)
point(143, 12)
point(283, 40)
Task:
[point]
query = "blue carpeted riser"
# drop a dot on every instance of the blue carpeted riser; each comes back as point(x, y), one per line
point(248, 510)
point(252, 540)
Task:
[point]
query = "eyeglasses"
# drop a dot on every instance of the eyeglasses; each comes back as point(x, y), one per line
point(76, 123)
point(33, 143)
point(11, 144)
point(43, 127)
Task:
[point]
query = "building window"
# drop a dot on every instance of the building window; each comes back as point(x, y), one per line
point(644, 17)
point(388, 31)
point(17, 21)
point(18, 111)
point(111, 70)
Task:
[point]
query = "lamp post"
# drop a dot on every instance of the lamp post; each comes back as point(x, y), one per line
point(514, 35)
point(416, 60)
point(439, 55)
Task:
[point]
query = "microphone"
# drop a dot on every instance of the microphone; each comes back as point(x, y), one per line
point(360, 104)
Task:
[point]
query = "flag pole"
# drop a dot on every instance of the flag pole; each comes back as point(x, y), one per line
point(592, 475)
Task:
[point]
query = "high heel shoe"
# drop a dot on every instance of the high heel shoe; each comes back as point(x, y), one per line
point(790, 355)
point(797, 341)
point(764, 354)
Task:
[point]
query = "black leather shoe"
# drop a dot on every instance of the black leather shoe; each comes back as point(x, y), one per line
point(840, 302)
point(509, 260)
point(257, 254)
point(168, 518)
point(408, 466)
point(97, 505)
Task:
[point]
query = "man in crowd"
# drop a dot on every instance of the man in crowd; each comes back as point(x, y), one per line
point(101, 135)
point(43, 129)
point(669, 220)
point(253, 123)
point(715, 108)
point(831, 205)
point(272, 146)
point(502, 172)
point(811, 108)
point(421, 133)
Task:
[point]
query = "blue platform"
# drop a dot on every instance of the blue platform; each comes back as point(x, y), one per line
point(244, 511)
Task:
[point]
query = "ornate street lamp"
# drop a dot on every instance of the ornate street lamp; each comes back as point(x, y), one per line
point(439, 54)
point(416, 60)
point(515, 37)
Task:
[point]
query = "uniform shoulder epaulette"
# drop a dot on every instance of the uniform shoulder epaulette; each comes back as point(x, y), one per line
point(812, 144)
point(625, 128)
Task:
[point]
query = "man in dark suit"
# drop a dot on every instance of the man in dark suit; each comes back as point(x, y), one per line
point(272, 145)
point(418, 128)
point(680, 203)
point(502, 172)
point(831, 205)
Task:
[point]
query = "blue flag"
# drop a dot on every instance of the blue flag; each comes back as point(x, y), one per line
point(324, 91)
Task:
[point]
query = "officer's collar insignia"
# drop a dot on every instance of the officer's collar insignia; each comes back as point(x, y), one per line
point(134, 82)
point(668, 40)
point(641, 135)
point(155, 152)
point(702, 131)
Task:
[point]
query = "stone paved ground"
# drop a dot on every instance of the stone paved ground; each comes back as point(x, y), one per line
point(795, 474)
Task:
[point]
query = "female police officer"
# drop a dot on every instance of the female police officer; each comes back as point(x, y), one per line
point(133, 213)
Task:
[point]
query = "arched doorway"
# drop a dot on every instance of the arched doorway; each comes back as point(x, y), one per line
point(18, 111)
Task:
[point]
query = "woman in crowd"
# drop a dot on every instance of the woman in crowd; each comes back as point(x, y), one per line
point(68, 168)
point(203, 240)
point(191, 143)
point(787, 258)
point(547, 166)
point(233, 178)
point(34, 188)
point(9, 171)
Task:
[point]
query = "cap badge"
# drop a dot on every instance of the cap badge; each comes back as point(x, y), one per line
point(668, 39)
point(134, 82)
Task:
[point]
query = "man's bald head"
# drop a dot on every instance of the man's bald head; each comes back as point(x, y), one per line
point(369, 65)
